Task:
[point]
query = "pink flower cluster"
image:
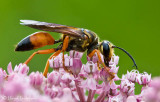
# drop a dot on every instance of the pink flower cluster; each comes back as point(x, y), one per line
point(87, 83)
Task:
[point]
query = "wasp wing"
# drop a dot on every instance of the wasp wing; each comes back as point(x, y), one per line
point(71, 31)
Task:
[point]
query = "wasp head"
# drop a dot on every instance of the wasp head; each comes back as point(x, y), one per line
point(106, 49)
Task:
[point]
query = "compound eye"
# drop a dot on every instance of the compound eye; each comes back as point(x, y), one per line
point(106, 48)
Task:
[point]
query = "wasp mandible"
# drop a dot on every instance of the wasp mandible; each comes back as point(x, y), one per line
point(73, 38)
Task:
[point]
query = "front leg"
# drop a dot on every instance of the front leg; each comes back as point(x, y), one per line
point(100, 60)
point(99, 57)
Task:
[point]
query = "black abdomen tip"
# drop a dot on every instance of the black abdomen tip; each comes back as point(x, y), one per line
point(24, 45)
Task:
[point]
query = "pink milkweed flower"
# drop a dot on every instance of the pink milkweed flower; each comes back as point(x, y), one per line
point(36, 79)
point(52, 91)
point(53, 78)
point(66, 97)
point(56, 62)
point(42, 99)
point(118, 98)
point(67, 79)
point(68, 61)
point(105, 76)
point(114, 91)
point(132, 76)
point(90, 68)
point(143, 79)
point(20, 69)
point(127, 87)
point(17, 86)
point(155, 83)
point(61, 86)
point(75, 54)
point(82, 73)
point(131, 99)
point(114, 60)
point(150, 94)
point(114, 69)
point(94, 58)
point(89, 83)
point(3, 74)
point(108, 83)
point(108, 86)
point(76, 66)
point(90, 71)
point(9, 68)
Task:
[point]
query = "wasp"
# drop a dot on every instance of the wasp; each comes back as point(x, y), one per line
point(72, 38)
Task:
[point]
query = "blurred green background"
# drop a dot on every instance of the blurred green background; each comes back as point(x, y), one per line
point(131, 24)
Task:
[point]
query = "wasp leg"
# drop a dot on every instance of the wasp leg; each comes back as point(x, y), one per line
point(98, 66)
point(100, 60)
point(47, 64)
point(47, 51)
point(64, 47)
point(99, 57)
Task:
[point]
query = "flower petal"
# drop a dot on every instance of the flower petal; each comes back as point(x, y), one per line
point(9, 68)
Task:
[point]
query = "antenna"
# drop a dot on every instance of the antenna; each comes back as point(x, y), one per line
point(128, 55)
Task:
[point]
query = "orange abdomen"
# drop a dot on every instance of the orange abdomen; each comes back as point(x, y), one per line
point(34, 41)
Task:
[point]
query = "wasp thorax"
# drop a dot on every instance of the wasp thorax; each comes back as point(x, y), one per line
point(107, 51)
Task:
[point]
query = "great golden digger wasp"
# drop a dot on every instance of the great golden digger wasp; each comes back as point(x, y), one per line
point(73, 38)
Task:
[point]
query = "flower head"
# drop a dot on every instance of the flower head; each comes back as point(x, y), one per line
point(61, 86)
